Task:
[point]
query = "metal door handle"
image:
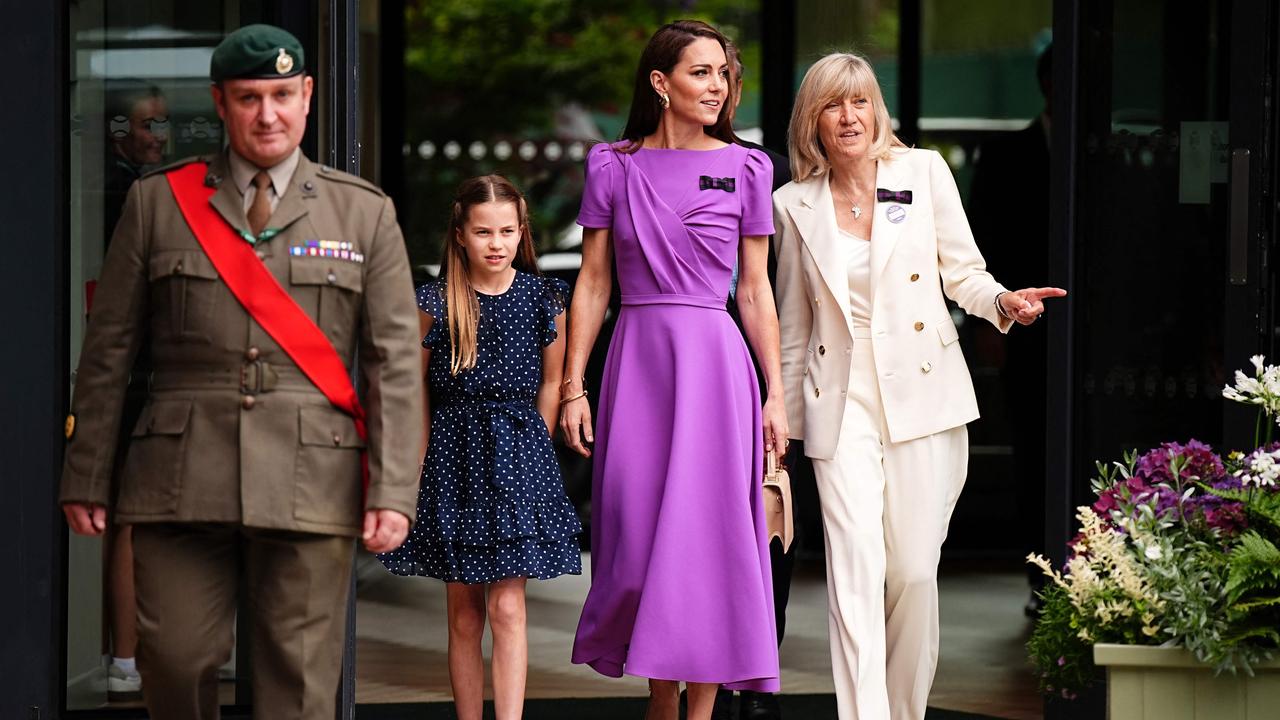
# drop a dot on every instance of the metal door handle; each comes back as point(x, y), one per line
point(1238, 243)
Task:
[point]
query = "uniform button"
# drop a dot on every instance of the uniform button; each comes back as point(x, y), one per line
point(822, 350)
point(926, 366)
point(915, 277)
point(252, 354)
point(177, 268)
point(261, 255)
point(331, 277)
point(817, 392)
point(247, 402)
point(918, 326)
point(308, 186)
point(337, 439)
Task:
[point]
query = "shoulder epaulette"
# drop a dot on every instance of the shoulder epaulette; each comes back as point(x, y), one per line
point(177, 164)
point(329, 173)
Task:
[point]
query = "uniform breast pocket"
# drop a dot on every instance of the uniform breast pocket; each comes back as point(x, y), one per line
point(154, 466)
point(327, 476)
point(185, 293)
point(334, 289)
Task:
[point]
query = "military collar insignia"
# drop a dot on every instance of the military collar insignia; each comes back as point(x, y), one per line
point(284, 63)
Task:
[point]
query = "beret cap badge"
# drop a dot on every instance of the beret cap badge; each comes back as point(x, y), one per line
point(284, 63)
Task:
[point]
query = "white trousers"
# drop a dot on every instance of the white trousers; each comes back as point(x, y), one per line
point(885, 510)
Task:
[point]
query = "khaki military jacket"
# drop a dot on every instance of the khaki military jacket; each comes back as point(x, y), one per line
point(232, 431)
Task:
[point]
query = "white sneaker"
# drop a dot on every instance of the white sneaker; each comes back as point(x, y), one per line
point(122, 685)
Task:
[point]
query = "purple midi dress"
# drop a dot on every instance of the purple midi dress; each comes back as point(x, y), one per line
point(680, 580)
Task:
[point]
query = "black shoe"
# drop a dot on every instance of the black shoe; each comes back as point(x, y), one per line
point(758, 706)
point(724, 702)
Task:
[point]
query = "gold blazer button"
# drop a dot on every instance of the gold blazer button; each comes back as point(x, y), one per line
point(915, 277)
point(918, 326)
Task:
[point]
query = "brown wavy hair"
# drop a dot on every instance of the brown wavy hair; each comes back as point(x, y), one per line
point(662, 53)
point(462, 307)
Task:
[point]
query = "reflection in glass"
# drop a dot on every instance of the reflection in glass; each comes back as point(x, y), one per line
point(139, 98)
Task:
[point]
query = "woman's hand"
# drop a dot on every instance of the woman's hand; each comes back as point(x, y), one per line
point(1024, 306)
point(575, 421)
point(774, 422)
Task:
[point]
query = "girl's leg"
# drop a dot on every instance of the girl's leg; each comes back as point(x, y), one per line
point(664, 700)
point(702, 698)
point(510, 647)
point(466, 609)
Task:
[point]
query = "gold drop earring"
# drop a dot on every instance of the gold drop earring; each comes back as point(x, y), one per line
point(665, 99)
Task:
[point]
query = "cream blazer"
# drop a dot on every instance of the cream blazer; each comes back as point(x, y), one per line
point(919, 251)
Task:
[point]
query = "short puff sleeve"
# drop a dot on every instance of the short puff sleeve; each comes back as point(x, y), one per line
point(553, 302)
point(431, 300)
point(757, 195)
point(601, 176)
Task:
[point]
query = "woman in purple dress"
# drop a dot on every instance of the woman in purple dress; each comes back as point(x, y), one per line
point(680, 587)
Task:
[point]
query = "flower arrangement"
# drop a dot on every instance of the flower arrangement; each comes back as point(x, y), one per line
point(1180, 550)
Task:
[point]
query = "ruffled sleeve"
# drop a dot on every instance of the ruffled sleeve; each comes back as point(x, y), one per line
point(431, 300)
point(597, 193)
point(554, 302)
point(757, 192)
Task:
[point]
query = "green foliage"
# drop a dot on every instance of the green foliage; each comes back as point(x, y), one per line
point(517, 70)
point(1063, 661)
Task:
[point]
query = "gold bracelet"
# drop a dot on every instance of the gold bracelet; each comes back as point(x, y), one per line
point(579, 396)
point(566, 381)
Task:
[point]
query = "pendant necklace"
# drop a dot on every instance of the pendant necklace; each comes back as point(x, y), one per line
point(857, 211)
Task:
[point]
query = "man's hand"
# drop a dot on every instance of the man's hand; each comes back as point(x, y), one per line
point(384, 530)
point(85, 518)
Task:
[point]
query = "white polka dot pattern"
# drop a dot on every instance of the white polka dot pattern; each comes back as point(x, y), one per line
point(492, 503)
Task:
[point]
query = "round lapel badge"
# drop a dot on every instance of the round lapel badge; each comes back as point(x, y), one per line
point(895, 214)
point(69, 427)
point(284, 63)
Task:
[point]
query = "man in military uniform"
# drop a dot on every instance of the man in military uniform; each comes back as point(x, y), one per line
point(245, 467)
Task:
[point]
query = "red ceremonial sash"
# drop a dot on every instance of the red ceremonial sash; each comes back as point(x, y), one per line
point(269, 304)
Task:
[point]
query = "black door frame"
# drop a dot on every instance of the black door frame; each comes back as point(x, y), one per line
point(34, 198)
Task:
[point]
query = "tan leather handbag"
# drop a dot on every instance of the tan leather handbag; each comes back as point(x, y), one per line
point(777, 501)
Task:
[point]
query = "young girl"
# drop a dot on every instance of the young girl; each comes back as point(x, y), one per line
point(492, 511)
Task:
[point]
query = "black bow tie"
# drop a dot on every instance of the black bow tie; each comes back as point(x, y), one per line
point(898, 196)
point(706, 182)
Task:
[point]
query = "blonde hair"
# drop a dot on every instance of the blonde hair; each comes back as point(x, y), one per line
point(462, 307)
point(835, 77)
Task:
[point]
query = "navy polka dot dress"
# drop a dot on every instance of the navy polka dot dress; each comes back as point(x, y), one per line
point(492, 504)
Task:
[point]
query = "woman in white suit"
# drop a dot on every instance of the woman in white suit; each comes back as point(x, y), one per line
point(870, 237)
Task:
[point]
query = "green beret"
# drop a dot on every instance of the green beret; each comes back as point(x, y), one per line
point(257, 52)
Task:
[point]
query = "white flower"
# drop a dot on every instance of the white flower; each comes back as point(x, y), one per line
point(1257, 361)
point(1261, 469)
point(1153, 552)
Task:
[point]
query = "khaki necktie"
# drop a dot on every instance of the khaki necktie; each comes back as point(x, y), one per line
point(260, 210)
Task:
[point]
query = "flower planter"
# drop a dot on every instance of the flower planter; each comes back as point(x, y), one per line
point(1155, 683)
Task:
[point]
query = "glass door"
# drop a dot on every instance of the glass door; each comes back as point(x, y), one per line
point(138, 97)
point(1170, 234)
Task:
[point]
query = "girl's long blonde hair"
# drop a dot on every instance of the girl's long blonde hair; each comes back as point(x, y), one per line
point(462, 307)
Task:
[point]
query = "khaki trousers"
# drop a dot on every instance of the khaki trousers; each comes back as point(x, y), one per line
point(885, 510)
point(187, 578)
